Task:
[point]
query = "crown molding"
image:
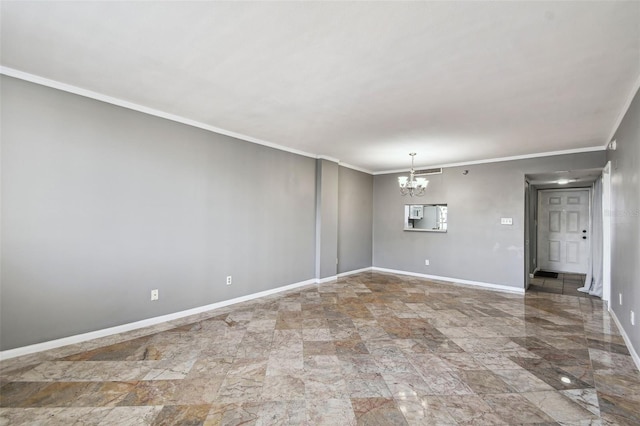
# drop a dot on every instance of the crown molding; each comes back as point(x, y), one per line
point(499, 159)
point(359, 169)
point(326, 157)
point(143, 109)
point(347, 165)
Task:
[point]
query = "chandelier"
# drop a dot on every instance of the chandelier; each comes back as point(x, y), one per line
point(411, 185)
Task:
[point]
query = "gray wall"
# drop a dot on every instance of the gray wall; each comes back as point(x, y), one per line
point(625, 215)
point(355, 220)
point(101, 204)
point(476, 247)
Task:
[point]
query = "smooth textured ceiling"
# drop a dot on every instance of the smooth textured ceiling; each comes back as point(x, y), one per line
point(362, 82)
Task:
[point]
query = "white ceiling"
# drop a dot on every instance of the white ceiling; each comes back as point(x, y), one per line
point(362, 82)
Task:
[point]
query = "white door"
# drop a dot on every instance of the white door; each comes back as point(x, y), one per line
point(563, 225)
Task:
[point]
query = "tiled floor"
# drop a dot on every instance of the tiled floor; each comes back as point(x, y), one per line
point(566, 284)
point(371, 349)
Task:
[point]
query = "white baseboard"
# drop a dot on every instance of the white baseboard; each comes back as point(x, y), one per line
point(488, 286)
point(355, 271)
point(79, 338)
point(632, 351)
point(326, 279)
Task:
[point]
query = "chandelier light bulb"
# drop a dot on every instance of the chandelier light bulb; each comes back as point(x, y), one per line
point(410, 185)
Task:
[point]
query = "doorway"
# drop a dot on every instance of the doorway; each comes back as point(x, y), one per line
point(544, 253)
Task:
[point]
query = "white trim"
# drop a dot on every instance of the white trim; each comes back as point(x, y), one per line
point(78, 338)
point(489, 286)
point(606, 232)
point(351, 166)
point(146, 110)
point(500, 159)
point(627, 341)
point(355, 271)
point(326, 279)
point(623, 111)
point(326, 157)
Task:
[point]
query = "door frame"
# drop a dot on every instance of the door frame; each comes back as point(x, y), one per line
point(590, 191)
point(527, 232)
point(606, 234)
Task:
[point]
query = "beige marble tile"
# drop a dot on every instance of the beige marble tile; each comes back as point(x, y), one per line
point(471, 410)
point(170, 369)
point(283, 413)
point(283, 388)
point(427, 410)
point(53, 416)
point(316, 334)
point(406, 386)
point(559, 407)
point(520, 380)
point(330, 412)
point(586, 398)
point(377, 411)
point(446, 383)
point(236, 389)
point(239, 413)
point(182, 414)
point(131, 416)
point(367, 386)
point(514, 408)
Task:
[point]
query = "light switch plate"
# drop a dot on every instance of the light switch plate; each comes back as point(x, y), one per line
point(506, 221)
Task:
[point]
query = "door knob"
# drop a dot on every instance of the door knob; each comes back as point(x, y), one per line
point(584, 231)
point(584, 238)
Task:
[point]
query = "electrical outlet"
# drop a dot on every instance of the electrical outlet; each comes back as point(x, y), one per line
point(633, 318)
point(154, 294)
point(229, 280)
point(426, 262)
point(620, 298)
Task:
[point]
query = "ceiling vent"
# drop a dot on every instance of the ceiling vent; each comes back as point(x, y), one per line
point(424, 172)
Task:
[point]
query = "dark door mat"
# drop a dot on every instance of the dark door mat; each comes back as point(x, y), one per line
point(546, 274)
